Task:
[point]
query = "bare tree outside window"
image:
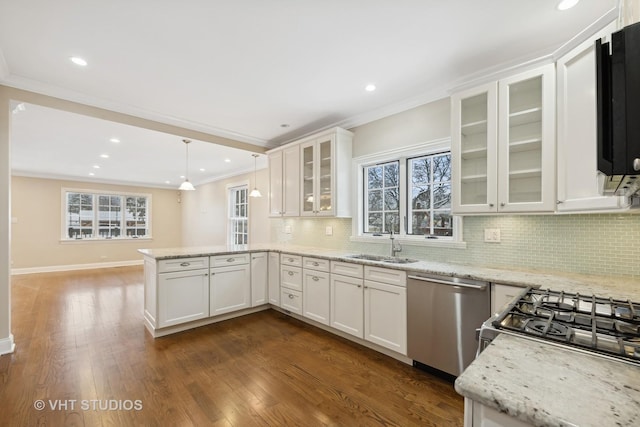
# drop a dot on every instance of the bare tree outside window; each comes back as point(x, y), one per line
point(382, 210)
point(430, 195)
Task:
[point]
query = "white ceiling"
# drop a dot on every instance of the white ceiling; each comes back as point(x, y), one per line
point(240, 69)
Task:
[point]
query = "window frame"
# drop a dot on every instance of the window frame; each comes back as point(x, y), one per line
point(230, 188)
point(402, 155)
point(95, 195)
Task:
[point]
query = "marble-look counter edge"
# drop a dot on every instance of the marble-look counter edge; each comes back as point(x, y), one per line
point(547, 385)
point(618, 287)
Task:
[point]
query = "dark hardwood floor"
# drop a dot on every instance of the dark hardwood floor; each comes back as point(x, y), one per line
point(83, 354)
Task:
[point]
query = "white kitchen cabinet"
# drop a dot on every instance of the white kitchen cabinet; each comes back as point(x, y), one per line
point(479, 415)
point(385, 308)
point(579, 181)
point(230, 285)
point(274, 278)
point(501, 295)
point(503, 145)
point(183, 296)
point(284, 182)
point(259, 278)
point(325, 174)
point(291, 300)
point(347, 304)
point(316, 289)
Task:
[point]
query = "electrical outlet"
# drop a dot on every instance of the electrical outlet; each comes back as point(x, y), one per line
point(287, 229)
point(328, 230)
point(492, 235)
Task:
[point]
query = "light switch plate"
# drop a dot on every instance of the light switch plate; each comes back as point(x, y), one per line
point(492, 235)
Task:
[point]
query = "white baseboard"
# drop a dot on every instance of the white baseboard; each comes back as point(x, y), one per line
point(7, 345)
point(70, 267)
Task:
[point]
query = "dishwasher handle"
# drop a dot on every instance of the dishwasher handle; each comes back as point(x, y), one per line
point(449, 282)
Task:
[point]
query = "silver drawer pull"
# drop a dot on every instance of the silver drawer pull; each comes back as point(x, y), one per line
point(290, 273)
point(315, 263)
point(230, 259)
point(315, 278)
point(290, 296)
point(185, 264)
point(290, 259)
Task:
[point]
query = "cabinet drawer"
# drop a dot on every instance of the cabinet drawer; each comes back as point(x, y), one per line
point(291, 277)
point(315, 264)
point(386, 275)
point(182, 264)
point(231, 259)
point(294, 260)
point(346, 269)
point(291, 300)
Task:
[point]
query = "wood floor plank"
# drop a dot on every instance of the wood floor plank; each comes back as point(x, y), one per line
point(80, 337)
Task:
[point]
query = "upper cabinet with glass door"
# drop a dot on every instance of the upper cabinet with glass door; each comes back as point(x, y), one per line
point(503, 145)
point(325, 178)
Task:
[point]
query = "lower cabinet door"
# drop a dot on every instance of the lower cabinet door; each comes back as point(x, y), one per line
point(230, 289)
point(347, 305)
point(183, 296)
point(274, 278)
point(291, 300)
point(259, 278)
point(385, 314)
point(315, 296)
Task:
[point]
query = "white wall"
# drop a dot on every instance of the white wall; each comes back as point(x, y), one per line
point(204, 212)
point(425, 123)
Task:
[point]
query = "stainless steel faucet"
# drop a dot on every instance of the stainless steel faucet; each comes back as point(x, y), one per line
point(395, 246)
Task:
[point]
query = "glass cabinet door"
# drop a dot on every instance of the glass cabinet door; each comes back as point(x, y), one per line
point(324, 176)
point(308, 179)
point(474, 150)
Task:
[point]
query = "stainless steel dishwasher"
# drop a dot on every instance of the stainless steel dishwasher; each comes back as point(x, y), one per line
point(443, 314)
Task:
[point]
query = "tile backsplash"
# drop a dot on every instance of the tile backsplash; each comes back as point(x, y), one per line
point(586, 243)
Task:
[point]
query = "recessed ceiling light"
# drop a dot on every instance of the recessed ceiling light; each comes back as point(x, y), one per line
point(567, 4)
point(91, 174)
point(370, 87)
point(104, 156)
point(96, 166)
point(115, 140)
point(181, 176)
point(227, 160)
point(78, 61)
point(202, 169)
point(167, 182)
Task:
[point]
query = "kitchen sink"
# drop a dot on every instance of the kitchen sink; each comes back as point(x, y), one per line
point(382, 258)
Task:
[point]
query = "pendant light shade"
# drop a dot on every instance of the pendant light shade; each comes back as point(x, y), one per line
point(255, 192)
point(186, 185)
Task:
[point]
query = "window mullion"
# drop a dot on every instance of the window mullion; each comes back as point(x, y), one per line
point(403, 192)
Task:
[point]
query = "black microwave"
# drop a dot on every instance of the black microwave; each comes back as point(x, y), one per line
point(618, 110)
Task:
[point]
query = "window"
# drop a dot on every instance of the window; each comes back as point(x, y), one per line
point(407, 191)
point(92, 215)
point(238, 215)
point(429, 207)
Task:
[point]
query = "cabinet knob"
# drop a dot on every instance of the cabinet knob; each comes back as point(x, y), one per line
point(491, 205)
point(230, 259)
point(185, 264)
point(502, 204)
point(359, 286)
point(206, 274)
point(290, 296)
point(315, 278)
point(315, 263)
point(290, 273)
point(636, 164)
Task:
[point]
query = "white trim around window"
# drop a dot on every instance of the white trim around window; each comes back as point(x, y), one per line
point(238, 226)
point(402, 154)
point(95, 223)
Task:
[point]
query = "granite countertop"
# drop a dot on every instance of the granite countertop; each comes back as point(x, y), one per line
point(618, 287)
point(547, 385)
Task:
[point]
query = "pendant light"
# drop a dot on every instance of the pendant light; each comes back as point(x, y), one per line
point(255, 192)
point(186, 185)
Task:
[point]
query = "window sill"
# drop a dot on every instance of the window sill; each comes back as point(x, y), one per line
point(411, 241)
point(103, 240)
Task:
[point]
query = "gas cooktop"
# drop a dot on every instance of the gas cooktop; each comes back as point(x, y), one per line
point(602, 325)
